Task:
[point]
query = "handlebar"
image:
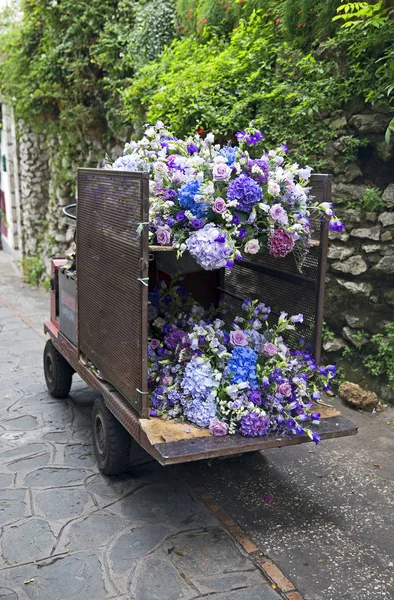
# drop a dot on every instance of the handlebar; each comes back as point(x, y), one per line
point(69, 215)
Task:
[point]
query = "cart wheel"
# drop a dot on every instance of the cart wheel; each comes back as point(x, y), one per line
point(58, 373)
point(111, 441)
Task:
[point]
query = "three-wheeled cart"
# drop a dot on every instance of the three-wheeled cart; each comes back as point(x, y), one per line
point(99, 317)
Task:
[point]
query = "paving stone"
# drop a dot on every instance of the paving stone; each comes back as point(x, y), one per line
point(77, 576)
point(12, 504)
point(8, 594)
point(95, 530)
point(206, 553)
point(134, 544)
point(262, 592)
point(80, 455)
point(170, 504)
point(156, 574)
point(28, 541)
point(227, 582)
point(5, 480)
point(60, 437)
point(63, 503)
point(54, 477)
point(21, 450)
point(29, 462)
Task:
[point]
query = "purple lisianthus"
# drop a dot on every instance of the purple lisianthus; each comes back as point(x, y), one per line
point(222, 238)
point(242, 233)
point(197, 223)
point(229, 265)
point(238, 338)
point(245, 191)
point(181, 216)
point(219, 206)
point(278, 214)
point(153, 412)
point(192, 149)
point(170, 194)
point(171, 221)
point(269, 349)
point(285, 389)
point(217, 427)
point(163, 236)
point(284, 148)
point(255, 397)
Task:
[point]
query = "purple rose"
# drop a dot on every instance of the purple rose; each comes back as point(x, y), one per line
point(197, 223)
point(154, 344)
point(221, 172)
point(278, 214)
point(284, 389)
point(217, 427)
point(238, 338)
point(163, 236)
point(269, 349)
point(219, 206)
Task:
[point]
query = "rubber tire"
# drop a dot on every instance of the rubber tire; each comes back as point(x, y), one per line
point(58, 373)
point(111, 441)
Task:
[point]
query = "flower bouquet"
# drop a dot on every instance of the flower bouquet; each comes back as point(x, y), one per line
point(243, 378)
point(219, 203)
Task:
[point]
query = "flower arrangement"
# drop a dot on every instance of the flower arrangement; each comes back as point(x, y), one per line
point(218, 202)
point(245, 379)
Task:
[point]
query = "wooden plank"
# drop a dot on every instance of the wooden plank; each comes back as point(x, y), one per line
point(210, 447)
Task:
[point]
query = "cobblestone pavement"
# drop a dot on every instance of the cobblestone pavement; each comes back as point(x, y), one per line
point(68, 532)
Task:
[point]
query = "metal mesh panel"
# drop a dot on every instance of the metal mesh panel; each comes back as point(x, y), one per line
point(111, 256)
point(279, 284)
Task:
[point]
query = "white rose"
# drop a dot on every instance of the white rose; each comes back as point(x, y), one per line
point(273, 188)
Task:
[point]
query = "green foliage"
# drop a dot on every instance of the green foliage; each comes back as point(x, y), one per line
point(33, 270)
point(3, 218)
point(363, 14)
point(327, 334)
point(380, 361)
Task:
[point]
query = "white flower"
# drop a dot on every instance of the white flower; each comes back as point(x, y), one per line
point(210, 138)
point(159, 125)
point(264, 207)
point(273, 188)
point(279, 160)
point(271, 153)
point(252, 247)
point(305, 173)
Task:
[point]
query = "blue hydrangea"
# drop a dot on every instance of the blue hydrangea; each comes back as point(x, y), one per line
point(200, 413)
point(242, 366)
point(130, 162)
point(186, 199)
point(229, 153)
point(198, 381)
point(254, 425)
point(245, 191)
point(210, 247)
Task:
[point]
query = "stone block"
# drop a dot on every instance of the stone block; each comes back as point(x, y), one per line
point(387, 250)
point(356, 321)
point(370, 123)
point(355, 265)
point(334, 345)
point(388, 196)
point(340, 252)
point(352, 336)
point(338, 235)
point(385, 266)
point(348, 191)
point(368, 248)
point(386, 236)
point(369, 233)
point(354, 395)
point(363, 289)
point(386, 219)
point(338, 123)
point(371, 217)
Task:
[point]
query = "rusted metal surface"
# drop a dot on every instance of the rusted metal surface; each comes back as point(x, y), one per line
point(210, 447)
point(279, 284)
point(112, 264)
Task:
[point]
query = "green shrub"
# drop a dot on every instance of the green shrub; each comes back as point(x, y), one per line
point(32, 269)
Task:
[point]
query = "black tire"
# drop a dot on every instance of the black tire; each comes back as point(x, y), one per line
point(111, 441)
point(58, 373)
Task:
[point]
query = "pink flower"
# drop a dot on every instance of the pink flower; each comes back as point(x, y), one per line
point(221, 172)
point(252, 247)
point(280, 243)
point(238, 338)
point(154, 344)
point(219, 206)
point(269, 349)
point(284, 389)
point(163, 236)
point(217, 427)
point(278, 214)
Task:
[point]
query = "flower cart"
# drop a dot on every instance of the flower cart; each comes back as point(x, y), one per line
point(101, 318)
